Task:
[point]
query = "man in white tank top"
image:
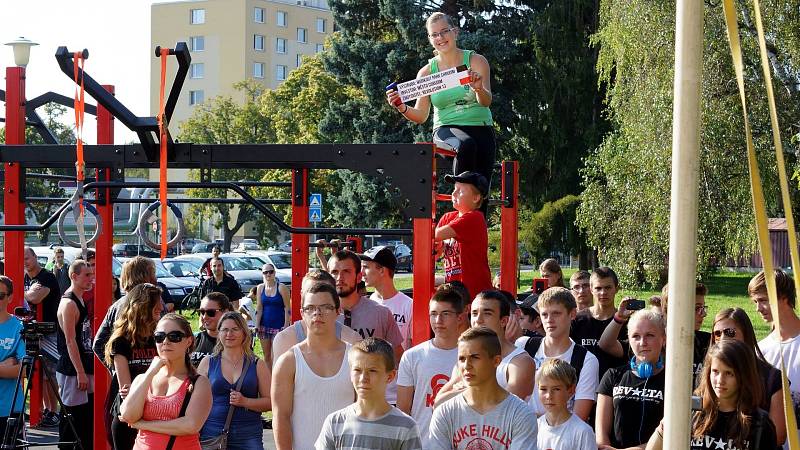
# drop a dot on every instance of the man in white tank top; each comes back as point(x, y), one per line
point(517, 369)
point(313, 379)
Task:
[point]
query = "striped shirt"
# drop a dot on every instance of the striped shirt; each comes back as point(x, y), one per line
point(344, 429)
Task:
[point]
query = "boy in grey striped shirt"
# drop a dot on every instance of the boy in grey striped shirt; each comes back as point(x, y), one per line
point(371, 422)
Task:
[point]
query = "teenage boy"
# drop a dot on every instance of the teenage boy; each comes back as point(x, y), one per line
point(378, 266)
point(516, 370)
point(12, 350)
point(370, 422)
point(589, 324)
point(581, 288)
point(560, 429)
point(462, 235)
point(484, 416)
point(557, 310)
point(529, 320)
point(785, 340)
point(311, 380)
point(702, 339)
point(425, 368)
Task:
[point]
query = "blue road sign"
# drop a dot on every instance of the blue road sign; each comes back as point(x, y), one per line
point(315, 201)
point(315, 215)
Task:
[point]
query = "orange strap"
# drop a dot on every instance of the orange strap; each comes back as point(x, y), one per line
point(79, 114)
point(162, 132)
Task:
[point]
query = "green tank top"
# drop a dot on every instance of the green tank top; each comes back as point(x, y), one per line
point(458, 105)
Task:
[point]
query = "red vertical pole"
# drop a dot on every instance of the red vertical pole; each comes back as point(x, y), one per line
point(102, 289)
point(14, 210)
point(300, 200)
point(509, 228)
point(358, 243)
point(424, 266)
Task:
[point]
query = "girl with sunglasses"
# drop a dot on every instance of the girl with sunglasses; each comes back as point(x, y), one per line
point(730, 417)
point(461, 116)
point(273, 309)
point(130, 351)
point(734, 323)
point(233, 362)
point(170, 402)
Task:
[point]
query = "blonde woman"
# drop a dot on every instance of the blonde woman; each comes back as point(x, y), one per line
point(233, 362)
point(130, 350)
point(169, 403)
point(273, 309)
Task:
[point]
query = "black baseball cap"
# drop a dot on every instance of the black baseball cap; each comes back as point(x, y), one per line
point(473, 178)
point(530, 303)
point(382, 255)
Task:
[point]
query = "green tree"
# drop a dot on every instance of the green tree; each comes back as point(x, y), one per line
point(625, 205)
point(222, 120)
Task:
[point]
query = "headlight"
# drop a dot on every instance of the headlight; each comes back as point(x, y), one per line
point(176, 292)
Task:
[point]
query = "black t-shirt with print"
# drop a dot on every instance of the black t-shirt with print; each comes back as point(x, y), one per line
point(586, 332)
point(702, 340)
point(139, 356)
point(50, 303)
point(719, 437)
point(203, 346)
point(638, 405)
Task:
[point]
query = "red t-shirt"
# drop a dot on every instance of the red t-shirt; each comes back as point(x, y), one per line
point(465, 257)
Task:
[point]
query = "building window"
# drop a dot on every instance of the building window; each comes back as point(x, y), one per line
point(320, 25)
point(281, 18)
point(335, 27)
point(320, 48)
point(301, 35)
point(195, 97)
point(280, 45)
point(198, 43)
point(280, 73)
point(197, 70)
point(198, 16)
point(258, 70)
point(258, 42)
point(298, 60)
point(258, 15)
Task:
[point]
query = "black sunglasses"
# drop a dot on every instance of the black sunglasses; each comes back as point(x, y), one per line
point(208, 312)
point(728, 332)
point(268, 272)
point(173, 336)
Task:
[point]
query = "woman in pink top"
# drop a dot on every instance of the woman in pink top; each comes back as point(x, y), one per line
point(153, 404)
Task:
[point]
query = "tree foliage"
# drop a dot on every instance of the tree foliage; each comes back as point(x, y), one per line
point(625, 207)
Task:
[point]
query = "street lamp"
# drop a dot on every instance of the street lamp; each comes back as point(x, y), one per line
point(22, 50)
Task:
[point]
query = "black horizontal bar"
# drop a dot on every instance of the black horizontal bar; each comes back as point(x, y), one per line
point(226, 201)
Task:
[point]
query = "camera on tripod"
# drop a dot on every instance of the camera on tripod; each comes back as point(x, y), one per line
point(32, 330)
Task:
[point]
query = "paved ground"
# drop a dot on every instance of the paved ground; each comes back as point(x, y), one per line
point(48, 435)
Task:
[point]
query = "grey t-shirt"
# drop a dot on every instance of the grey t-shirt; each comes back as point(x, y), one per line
point(344, 429)
point(511, 425)
point(370, 319)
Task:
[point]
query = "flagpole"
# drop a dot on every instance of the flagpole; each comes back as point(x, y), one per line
point(683, 221)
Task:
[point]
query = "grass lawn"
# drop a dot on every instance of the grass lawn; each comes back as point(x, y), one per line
point(725, 289)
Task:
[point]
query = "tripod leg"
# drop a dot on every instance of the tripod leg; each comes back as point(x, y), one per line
point(14, 424)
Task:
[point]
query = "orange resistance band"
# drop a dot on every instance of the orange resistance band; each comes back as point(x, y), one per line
point(79, 110)
point(162, 131)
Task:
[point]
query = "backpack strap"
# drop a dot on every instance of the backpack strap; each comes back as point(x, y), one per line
point(578, 357)
point(532, 346)
point(186, 398)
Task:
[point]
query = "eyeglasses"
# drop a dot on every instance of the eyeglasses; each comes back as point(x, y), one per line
point(700, 309)
point(322, 309)
point(208, 312)
point(444, 315)
point(4, 296)
point(173, 336)
point(268, 272)
point(230, 330)
point(728, 332)
point(440, 34)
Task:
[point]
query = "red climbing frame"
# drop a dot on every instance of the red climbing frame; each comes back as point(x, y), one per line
point(300, 200)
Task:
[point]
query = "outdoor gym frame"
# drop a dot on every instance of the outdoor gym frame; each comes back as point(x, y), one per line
point(408, 168)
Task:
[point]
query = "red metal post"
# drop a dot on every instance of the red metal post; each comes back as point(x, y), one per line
point(14, 209)
point(358, 243)
point(103, 295)
point(509, 226)
point(300, 200)
point(424, 266)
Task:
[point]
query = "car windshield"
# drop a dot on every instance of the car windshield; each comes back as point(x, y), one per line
point(162, 272)
point(116, 267)
point(254, 261)
point(281, 260)
point(237, 264)
point(184, 268)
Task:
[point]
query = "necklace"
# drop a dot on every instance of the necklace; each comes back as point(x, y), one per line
point(235, 363)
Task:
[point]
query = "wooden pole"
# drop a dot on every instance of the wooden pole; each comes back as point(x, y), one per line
point(683, 220)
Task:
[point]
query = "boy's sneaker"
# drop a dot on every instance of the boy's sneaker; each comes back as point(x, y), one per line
point(50, 419)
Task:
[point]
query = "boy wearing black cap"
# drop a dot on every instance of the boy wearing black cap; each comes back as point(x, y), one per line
point(463, 234)
point(378, 265)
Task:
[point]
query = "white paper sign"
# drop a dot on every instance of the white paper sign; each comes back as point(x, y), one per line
point(435, 82)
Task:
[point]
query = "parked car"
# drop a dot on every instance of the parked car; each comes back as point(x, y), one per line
point(247, 244)
point(281, 260)
point(188, 244)
point(182, 268)
point(177, 287)
point(130, 250)
point(204, 247)
point(242, 270)
point(402, 252)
